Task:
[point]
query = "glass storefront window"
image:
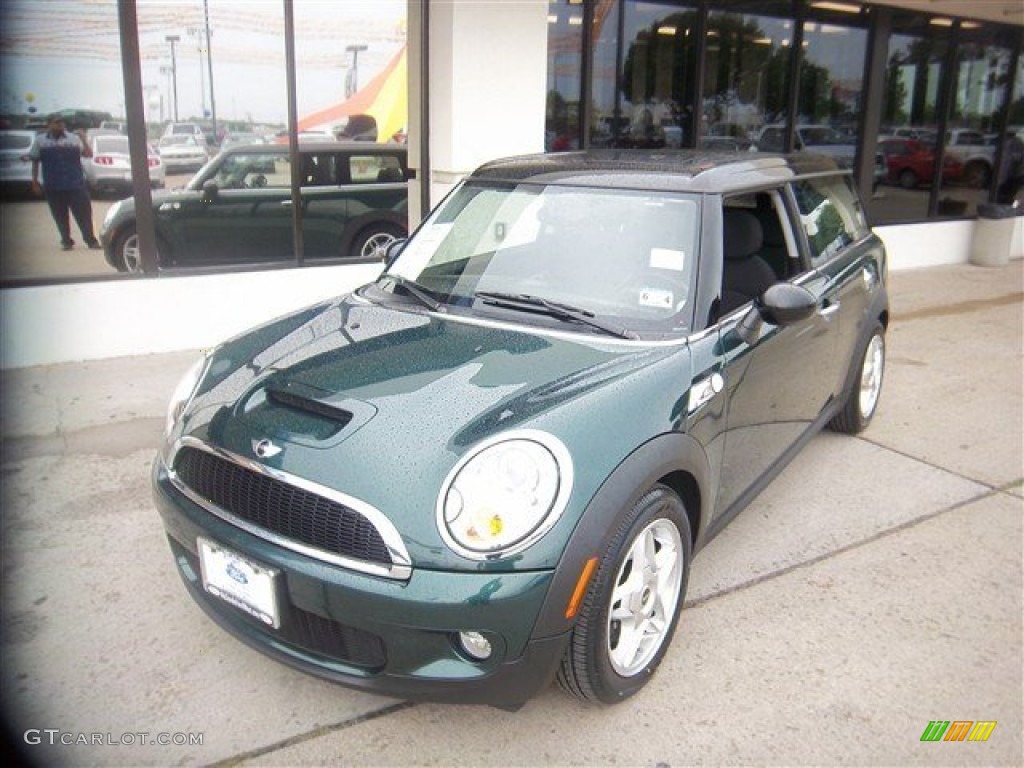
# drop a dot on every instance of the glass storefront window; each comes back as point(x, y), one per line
point(907, 136)
point(565, 75)
point(658, 87)
point(1010, 179)
point(980, 77)
point(606, 121)
point(830, 89)
point(746, 77)
point(71, 62)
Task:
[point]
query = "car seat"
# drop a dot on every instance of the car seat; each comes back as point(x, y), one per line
point(745, 275)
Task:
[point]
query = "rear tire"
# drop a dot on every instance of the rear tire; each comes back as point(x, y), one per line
point(373, 241)
point(862, 400)
point(632, 607)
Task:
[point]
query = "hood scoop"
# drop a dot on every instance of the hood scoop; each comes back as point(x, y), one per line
point(299, 413)
point(288, 398)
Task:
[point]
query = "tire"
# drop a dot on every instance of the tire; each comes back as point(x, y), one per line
point(607, 659)
point(373, 241)
point(126, 251)
point(909, 179)
point(862, 400)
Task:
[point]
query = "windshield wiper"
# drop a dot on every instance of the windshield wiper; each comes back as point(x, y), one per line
point(526, 302)
point(415, 290)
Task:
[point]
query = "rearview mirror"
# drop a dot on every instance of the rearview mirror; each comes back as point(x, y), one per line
point(210, 190)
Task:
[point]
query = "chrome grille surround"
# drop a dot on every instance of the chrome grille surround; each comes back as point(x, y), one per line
point(400, 567)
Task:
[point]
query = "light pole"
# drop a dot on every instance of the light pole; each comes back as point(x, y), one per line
point(197, 33)
point(352, 80)
point(172, 39)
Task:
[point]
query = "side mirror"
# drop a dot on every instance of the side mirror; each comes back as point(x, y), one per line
point(392, 251)
point(782, 304)
point(210, 191)
point(785, 303)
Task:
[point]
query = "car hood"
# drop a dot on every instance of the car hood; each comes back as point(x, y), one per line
point(380, 404)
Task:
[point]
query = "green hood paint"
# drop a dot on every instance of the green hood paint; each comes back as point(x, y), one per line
point(418, 391)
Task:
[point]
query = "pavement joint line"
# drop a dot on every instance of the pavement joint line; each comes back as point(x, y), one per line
point(323, 730)
point(955, 473)
point(880, 535)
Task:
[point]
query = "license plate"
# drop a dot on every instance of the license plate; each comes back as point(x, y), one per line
point(240, 582)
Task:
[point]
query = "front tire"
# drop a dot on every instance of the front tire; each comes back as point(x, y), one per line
point(862, 400)
point(632, 607)
point(127, 256)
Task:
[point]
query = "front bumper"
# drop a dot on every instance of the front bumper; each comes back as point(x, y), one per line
point(394, 638)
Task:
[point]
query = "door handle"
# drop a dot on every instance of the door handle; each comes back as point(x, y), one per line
point(286, 202)
point(829, 309)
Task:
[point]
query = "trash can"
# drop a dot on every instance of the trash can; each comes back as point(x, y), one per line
point(993, 234)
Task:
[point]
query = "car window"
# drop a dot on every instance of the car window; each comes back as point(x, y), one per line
point(374, 169)
point(254, 171)
point(831, 213)
point(758, 247)
point(15, 141)
point(319, 170)
point(621, 254)
point(111, 144)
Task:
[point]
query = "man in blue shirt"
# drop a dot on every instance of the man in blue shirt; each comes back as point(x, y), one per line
point(60, 154)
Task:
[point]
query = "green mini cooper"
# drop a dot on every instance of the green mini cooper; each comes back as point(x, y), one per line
point(491, 467)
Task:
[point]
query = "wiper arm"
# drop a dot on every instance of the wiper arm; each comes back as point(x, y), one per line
point(415, 290)
point(555, 309)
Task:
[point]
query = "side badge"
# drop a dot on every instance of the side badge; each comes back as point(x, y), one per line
point(704, 390)
point(264, 448)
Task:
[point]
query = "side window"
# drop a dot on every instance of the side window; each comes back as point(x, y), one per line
point(831, 213)
point(375, 169)
point(319, 170)
point(254, 171)
point(758, 247)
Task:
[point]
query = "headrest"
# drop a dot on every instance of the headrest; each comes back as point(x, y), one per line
point(742, 233)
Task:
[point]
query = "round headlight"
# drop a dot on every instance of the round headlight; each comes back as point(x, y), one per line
point(183, 392)
point(505, 494)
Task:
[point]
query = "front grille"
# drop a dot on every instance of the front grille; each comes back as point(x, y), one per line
point(340, 641)
point(281, 508)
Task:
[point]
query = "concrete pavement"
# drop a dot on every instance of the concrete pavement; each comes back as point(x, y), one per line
point(874, 587)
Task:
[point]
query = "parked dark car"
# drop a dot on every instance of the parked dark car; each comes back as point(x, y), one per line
point(911, 162)
point(236, 210)
point(490, 468)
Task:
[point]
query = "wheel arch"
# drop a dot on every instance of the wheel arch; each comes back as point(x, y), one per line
point(675, 460)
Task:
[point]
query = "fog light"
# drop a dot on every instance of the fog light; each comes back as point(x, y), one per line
point(475, 645)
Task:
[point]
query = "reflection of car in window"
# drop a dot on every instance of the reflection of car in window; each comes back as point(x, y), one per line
point(236, 210)
point(578, 369)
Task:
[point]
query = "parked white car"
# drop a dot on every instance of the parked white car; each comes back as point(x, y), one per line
point(15, 164)
point(182, 152)
point(110, 167)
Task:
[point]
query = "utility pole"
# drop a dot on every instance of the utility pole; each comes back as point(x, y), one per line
point(209, 65)
point(352, 80)
point(172, 39)
point(197, 33)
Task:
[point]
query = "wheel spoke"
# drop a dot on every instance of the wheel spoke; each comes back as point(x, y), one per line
point(645, 597)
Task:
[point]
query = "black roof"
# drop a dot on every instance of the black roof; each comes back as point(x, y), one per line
point(666, 169)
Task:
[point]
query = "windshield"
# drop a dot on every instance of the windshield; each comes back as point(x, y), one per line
point(622, 256)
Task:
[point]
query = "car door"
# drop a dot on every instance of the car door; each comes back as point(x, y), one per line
point(324, 203)
point(248, 218)
point(837, 239)
point(780, 378)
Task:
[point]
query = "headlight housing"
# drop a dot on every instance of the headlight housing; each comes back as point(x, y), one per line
point(183, 392)
point(504, 494)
